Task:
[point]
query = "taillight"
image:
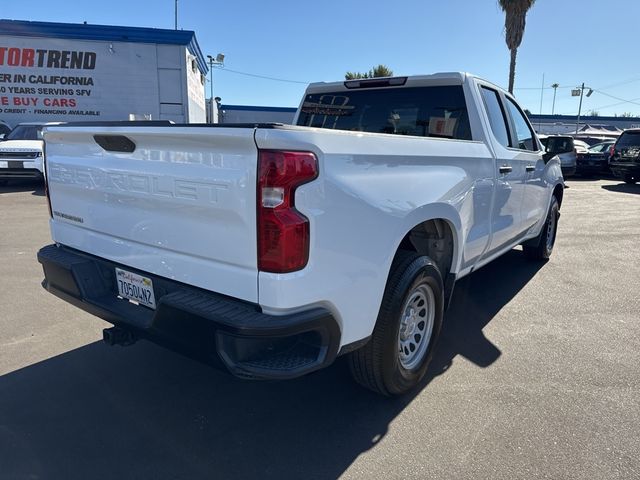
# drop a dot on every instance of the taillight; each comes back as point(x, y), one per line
point(283, 232)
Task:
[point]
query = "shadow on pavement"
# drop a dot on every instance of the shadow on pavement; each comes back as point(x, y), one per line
point(12, 186)
point(143, 412)
point(623, 188)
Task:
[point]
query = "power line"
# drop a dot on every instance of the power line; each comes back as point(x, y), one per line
point(538, 88)
point(616, 98)
point(263, 76)
point(622, 101)
point(616, 104)
point(625, 82)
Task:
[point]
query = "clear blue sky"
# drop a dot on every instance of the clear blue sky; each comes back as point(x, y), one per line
point(570, 41)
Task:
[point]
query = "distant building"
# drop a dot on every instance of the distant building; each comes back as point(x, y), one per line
point(565, 124)
point(70, 72)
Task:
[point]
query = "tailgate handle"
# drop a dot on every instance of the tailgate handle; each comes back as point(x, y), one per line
point(115, 143)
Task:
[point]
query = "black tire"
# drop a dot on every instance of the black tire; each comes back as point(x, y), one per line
point(378, 365)
point(630, 179)
point(542, 246)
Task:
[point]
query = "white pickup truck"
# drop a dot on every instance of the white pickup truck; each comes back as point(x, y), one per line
point(272, 249)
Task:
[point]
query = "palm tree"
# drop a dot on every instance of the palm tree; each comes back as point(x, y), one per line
point(515, 12)
point(375, 72)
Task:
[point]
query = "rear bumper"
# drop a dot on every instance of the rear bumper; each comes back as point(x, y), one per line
point(219, 330)
point(8, 173)
point(625, 168)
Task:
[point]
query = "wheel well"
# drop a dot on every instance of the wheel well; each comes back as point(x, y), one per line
point(558, 192)
point(433, 238)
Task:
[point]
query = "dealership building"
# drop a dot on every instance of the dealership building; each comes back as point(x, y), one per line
point(80, 72)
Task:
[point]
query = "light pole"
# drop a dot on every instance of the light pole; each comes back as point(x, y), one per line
point(555, 89)
point(580, 91)
point(217, 62)
point(175, 16)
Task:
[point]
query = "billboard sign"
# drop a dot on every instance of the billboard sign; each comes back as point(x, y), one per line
point(49, 79)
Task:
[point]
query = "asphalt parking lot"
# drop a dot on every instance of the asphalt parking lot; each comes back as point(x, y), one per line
point(537, 375)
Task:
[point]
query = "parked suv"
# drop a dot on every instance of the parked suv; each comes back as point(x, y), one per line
point(21, 152)
point(625, 156)
point(564, 147)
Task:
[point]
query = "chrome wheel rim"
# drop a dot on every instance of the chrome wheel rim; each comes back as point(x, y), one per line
point(416, 326)
point(551, 230)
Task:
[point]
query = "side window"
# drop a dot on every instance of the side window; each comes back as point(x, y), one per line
point(496, 115)
point(523, 131)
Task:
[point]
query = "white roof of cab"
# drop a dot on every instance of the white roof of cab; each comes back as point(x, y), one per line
point(443, 78)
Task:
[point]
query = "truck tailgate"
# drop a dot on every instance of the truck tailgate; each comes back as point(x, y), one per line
point(181, 205)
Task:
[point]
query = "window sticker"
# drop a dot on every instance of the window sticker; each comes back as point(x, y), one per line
point(442, 126)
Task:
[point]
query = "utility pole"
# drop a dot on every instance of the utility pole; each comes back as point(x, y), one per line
point(211, 84)
point(580, 107)
point(176, 15)
point(553, 105)
point(581, 89)
point(541, 96)
point(218, 61)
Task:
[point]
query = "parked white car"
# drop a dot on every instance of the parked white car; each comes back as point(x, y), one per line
point(272, 249)
point(21, 152)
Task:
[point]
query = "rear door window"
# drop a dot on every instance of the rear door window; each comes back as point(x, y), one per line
point(497, 118)
point(524, 134)
point(439, 111)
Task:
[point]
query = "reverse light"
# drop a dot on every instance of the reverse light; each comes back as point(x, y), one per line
point(272, 197)
point(283, 232)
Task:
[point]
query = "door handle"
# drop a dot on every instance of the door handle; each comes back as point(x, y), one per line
point(530, 168)
point(505, 169)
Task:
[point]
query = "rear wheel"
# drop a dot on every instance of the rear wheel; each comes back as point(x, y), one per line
point(408, 325)
point(542, 246)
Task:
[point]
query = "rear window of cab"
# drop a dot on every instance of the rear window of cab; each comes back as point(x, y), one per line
point(438, 111)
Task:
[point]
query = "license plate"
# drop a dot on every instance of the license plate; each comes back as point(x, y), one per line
point(15, 164)
point(136, 288)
